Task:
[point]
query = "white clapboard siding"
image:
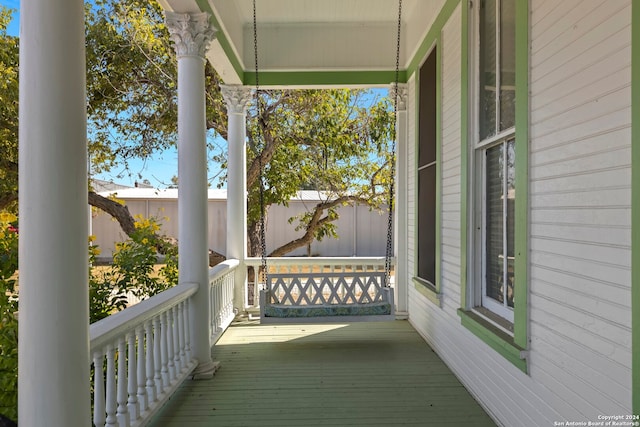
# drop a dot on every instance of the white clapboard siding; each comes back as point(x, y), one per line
point(451, 73)
point(580, 272)
point(580, 219)
point(412, 145)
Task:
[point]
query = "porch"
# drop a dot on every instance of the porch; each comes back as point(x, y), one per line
point(332, 375)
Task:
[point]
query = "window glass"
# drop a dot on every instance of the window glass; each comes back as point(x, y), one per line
point(494, 213)
point(507, 64)
point(487, 73)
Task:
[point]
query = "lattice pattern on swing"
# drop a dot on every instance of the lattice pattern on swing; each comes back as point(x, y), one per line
point(313, 289)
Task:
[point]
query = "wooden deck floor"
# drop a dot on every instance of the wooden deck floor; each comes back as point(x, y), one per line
point(361, 374)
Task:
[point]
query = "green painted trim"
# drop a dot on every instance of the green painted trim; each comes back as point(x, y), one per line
point(521, 310)
point(432, 35)
point(426, 289)
point(311, 78)
point(464, 154)
point(438, 47)
point(204, 6)
point(494, 338)
point(635, 206)
point(521, 269)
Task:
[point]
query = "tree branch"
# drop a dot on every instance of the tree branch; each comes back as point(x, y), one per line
point(317, 221)
point(116, 210)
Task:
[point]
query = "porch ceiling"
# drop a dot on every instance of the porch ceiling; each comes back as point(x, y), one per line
point(310, 42)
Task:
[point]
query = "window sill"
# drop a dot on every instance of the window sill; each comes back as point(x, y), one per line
point(497, 339)
point(428, 290)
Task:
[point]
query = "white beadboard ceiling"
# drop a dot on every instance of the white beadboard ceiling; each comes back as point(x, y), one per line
point(316, 35)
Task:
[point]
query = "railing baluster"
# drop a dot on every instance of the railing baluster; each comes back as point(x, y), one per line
point(170, 322)
point(123, 411)
point(182, 356)
point(132, 402)
point(186, 332)
point(165, 330)
point(143, 399)
point(99, 410)
point(174, 344)
point(151, 387)
point(157, 356)
point(212, 306)
point(111, 403)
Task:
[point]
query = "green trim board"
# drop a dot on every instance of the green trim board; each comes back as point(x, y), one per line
point(464, 152)
point(635, 205)
point(521, 269)
point(432, 293)
point(222, 38)
point(336, 78)
point(439, 65)
point(495, 338)
point(432, 35)
point(521, 309)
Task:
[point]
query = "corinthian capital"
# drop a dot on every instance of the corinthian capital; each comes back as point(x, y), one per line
point(191, 33)
point(237, 97)
point(402, 95)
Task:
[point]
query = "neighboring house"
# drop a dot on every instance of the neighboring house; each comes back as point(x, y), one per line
point(361, 231)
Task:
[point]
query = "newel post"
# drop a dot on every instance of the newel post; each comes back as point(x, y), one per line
point(191, 34)
point(238, 99)
point(402, 276)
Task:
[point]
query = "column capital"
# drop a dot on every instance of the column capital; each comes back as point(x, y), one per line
point(191, 33)
point(402, 95)
point(237, 97)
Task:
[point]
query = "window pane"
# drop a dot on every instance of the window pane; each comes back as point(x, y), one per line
point(427, 224)
point(494, 239)
point(507, 64)
point(511, 202)
point(487, 58)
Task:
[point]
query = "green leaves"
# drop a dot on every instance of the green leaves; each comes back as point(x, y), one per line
point(334, 141)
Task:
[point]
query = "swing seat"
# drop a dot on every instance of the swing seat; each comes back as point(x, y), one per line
point(322, 298)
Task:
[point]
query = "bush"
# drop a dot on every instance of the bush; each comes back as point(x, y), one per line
point(8, 319)
point(133, 271)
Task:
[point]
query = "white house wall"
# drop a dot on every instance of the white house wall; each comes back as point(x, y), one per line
point(580, 216)
point(580, 172)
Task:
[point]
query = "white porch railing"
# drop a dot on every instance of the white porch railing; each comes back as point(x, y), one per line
point(140, 356)
point(221, 282)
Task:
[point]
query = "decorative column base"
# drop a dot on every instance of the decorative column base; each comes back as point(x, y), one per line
point(206, 371)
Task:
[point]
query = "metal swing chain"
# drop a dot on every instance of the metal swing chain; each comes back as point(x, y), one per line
point(263, 239)
point(389, 252)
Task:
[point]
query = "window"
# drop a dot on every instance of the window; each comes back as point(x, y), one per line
point(494, 161)
point(426, 262)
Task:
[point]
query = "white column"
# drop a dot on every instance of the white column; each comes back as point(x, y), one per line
point(191, 34)
point(238, 99)
point(54, 302)
point(403, 276)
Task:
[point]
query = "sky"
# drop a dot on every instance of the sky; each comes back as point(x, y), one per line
point(158, 171)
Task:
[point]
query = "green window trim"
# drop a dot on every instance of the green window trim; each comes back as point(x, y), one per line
point(504, 344)
point(498, 340)
point(635, 207)
point(428, 290)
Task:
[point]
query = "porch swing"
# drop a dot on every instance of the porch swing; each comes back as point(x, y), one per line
point(347, 295)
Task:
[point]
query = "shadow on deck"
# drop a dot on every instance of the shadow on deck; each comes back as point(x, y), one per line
point(359, 374)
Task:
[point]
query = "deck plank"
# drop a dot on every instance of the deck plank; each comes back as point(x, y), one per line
point(359, 374)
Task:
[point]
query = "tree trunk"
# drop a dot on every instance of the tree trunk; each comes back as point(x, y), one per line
point(254, 248)
point(116, 210)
